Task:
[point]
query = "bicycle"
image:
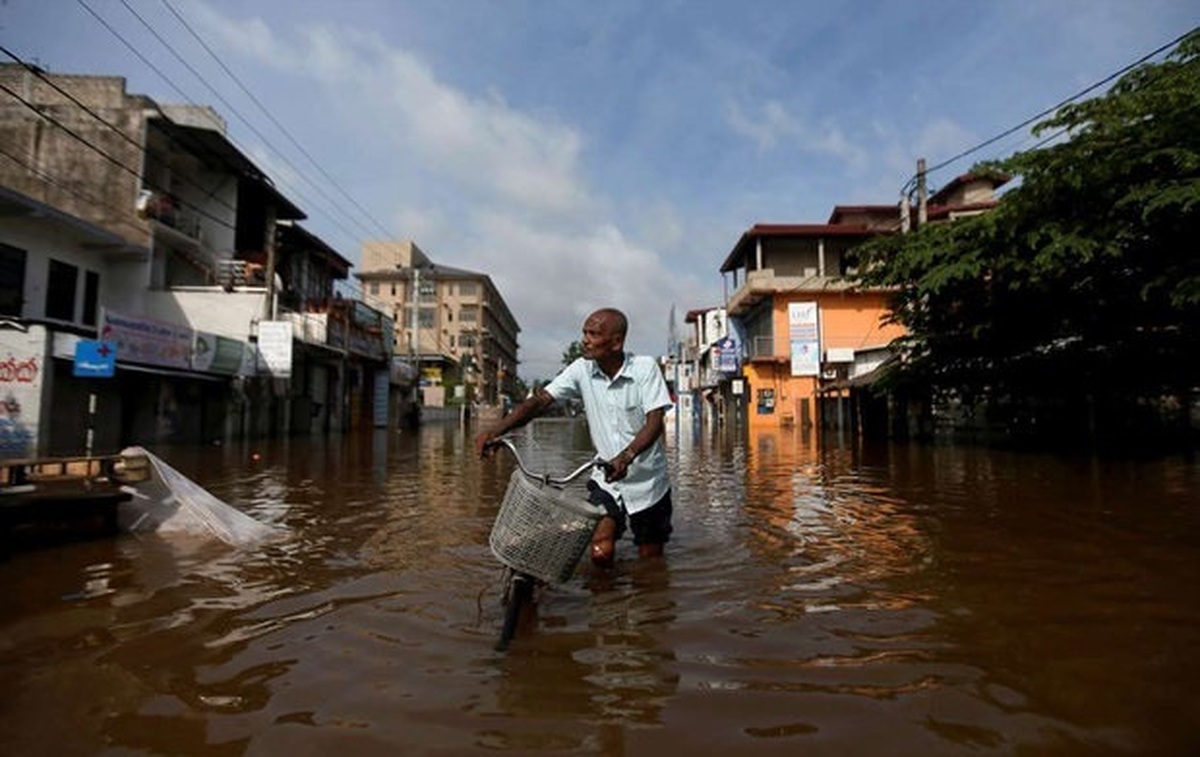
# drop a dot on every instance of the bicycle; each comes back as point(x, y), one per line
point(539, 534)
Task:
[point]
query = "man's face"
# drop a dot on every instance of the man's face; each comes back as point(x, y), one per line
point(600, 338)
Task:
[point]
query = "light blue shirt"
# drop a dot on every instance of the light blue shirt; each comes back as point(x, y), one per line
point(616, 410)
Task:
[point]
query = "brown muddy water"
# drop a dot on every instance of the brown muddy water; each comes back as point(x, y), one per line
point(900, 600)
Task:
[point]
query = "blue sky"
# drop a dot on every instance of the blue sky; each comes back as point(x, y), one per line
point(586, 154)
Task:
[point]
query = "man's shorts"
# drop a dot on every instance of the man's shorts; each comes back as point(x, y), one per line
point(650, 526)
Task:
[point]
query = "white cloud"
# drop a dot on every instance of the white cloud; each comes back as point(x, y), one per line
point(772, 125)
point(942, 137)
point(765, 128)
point(517, 206)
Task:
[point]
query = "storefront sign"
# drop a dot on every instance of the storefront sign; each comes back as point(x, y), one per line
point(275, 347)
point(725, 355)
point(95, 359)
point(143, 340)
point(804, 337)
point(214, 353)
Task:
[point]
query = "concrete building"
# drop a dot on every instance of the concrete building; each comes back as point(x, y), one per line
point(714, 353)
point(144, 227)
point(805, 333)
point(451, 323)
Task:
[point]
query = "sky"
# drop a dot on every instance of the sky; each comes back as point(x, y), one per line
point(597, 154)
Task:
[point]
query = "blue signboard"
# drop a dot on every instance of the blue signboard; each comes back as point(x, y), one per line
point(726, 355)
point(95, 359)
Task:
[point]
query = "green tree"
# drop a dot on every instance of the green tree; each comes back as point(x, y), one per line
point(1084, 282)
point(573, 352)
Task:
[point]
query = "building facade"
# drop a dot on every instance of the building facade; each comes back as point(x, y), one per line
point(451, 323)
point(807, 334)
point(144, 228)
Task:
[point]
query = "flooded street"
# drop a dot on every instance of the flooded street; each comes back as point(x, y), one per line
point(900, 600)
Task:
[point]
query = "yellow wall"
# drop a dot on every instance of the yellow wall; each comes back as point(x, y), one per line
point(847, 320)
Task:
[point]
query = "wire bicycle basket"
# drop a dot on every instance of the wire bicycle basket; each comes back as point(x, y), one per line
point(541, 529)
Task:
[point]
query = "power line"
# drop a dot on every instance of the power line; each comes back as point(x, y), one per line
point(361, 294)
point(174, 53)
point(912, 181)
point(74, 192)
point(102, 153)
point(209, 193)
point(183, 95)
point(119, 211)
point(272, 118)
point(101, 203)
point(344, 286)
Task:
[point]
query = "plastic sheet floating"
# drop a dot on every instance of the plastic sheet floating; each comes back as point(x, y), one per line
point(166, 501)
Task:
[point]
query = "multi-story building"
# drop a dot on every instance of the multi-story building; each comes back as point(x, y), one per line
point(144, 227)
point(806, 333)
point(452, 323)
point(715, 357)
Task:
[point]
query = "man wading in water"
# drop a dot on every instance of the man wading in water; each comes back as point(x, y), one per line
point(625, 398)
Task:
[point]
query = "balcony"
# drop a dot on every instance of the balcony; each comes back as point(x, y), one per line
point(764, 284)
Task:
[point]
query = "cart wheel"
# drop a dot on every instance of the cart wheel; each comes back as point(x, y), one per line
point(520, 592)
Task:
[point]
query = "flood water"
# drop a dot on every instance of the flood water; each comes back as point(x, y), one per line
point(899, 600)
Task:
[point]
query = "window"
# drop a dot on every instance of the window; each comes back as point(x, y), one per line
point(374, 287)
point(468, 289)
point(91, 297)
point(428, 291)
point(60, 291)
point(425, 318)
point(12, 280)
point(468, 314)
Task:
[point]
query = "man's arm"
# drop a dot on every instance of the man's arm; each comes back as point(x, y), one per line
point(528, 409)
point(646, 436)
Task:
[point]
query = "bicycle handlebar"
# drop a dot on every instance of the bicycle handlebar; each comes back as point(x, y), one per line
point(545, 478)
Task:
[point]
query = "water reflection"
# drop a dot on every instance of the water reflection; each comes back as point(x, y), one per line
point(819, 599)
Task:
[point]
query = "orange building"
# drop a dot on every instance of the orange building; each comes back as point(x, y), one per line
point(806, 333)
point(803, 328)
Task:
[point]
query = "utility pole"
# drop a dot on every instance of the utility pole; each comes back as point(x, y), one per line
point(673, 349)
point(414, 336)
point(922, 209)
point(269, 303)
point(413, 341)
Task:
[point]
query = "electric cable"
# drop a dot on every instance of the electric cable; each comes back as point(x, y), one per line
point(210, 193)
point(102, 153)
point(133, 49)
point(907, 188)
point(74, 192)
point(174, 53)
point(272, 118)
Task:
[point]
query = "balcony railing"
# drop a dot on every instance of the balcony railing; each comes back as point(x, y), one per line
point(761, 347)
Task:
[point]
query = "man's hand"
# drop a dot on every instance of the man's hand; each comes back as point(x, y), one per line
point(525, 411)
point(618, 467)
point(485, 443)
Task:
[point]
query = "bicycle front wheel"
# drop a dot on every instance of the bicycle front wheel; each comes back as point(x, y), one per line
point(520, 594)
